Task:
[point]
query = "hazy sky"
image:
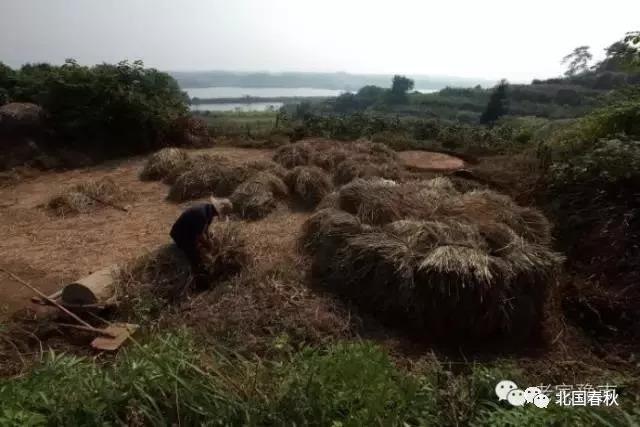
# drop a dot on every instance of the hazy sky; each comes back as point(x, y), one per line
point(516, 39)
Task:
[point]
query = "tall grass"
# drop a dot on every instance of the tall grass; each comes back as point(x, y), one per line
point(170, 381)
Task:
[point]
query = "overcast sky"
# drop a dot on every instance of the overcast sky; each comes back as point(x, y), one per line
point(516, 39)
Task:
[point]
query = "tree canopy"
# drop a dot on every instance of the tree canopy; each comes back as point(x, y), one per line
point(578, 61)
point(497, 106)
point(109, 108)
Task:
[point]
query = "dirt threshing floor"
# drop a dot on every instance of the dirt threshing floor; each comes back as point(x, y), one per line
point(428, 161)
point(50, 251)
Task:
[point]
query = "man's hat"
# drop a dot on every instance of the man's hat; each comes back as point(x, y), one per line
point(223, 206)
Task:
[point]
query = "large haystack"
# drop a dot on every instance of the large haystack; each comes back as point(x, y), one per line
point(208, 174)
point(416, 256)
point(257, 197)
point(166, 164)
point(309, 185)
point(89, 195)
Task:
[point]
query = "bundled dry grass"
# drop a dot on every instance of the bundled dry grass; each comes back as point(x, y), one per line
point(447, 270)
point(364, 167)
point(292, 155)
point(327, 224)
point(377, 201)
point(485, 206)
point(87, 196)
point(206, 175)
point(226, 254)
point(345, 160)
point(257, 197)
point(166, 164)
point(164, 275)
point(267, 166)
point(308, 184)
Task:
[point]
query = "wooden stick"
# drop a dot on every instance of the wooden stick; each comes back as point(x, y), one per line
point(84, 328)
point(46, 298)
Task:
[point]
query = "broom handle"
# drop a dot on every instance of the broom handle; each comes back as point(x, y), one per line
point(49, 300)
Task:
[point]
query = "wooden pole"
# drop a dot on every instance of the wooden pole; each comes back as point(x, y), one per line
point(53, 302)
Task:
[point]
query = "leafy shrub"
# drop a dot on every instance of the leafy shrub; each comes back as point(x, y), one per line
point(110, 109)
point(592, 183)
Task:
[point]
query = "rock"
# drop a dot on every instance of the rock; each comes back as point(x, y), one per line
point(21, 118)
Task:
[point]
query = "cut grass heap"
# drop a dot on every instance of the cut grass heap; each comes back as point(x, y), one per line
point(424, 255)
point(166, 164)
point(165, 274)
point(344, 160)
point(308, 184)
point(257, 197)
point(206, 175)
point(87, 196)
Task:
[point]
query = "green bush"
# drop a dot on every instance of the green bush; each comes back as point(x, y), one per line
point(592, 181)
point(111, 109)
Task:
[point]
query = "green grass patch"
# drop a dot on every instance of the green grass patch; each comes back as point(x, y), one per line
point(252, 124)
point(171, 381)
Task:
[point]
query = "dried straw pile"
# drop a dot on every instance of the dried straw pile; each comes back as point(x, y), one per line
point(87, 196)
point(206, 175)
point(344, 160)
point(164, 275)
point(166, 164)
point(308, 184)
point(257, 197)
point(266, 166)
point(454, 267)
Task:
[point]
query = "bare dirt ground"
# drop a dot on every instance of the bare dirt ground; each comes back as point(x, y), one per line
point(49, 251)
point(428, 161)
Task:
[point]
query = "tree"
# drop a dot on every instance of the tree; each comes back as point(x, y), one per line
point(401, 84)
point(370, 95)
point(623, 55)
point(497, 105)
point(578, 61)
point(399, 88)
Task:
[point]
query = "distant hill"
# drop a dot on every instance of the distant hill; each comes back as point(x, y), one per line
point(337, 81)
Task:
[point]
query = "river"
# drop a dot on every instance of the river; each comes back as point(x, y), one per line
point(266, 92)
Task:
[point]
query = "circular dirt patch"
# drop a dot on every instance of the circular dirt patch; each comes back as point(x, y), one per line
point(427, 160)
